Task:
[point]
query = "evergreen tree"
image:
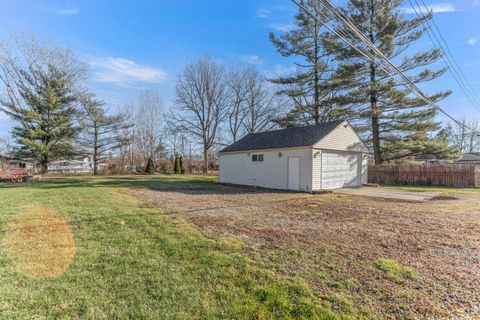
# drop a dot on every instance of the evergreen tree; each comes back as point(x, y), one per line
point(176, 167)
point(312, 88)
point(150, 166)
point(40, 85)
point(180, 162)
point(395, 122)
point(44, 129)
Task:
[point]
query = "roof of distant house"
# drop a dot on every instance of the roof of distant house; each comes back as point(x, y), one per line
point(284, 138)
point(470, 157)
point(426, 156)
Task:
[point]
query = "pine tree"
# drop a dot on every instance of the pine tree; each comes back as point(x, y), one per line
point(312, 88)
point(150, 166)
point(44, 129)
point(180, 163)
point(176, 166)
point(40, 85)
point(396, 123)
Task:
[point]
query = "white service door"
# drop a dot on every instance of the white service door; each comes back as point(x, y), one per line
point(340, 170)
point(294, 173)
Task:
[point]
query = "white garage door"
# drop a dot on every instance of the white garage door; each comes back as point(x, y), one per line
point(340, 170)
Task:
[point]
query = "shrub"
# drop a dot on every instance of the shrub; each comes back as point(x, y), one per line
point(150, 166)
point(180, 163)
point(176, 165)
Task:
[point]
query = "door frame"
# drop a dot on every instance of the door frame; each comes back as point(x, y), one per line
point(288, 173)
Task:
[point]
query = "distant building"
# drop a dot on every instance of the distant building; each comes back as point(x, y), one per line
point(470, 158)
point(79, 164)
point(18, 166)
point(429, 158)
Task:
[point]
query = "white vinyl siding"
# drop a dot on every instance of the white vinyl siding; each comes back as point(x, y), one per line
point(238, 168)
point(364, 168)
point(342, 138)
point(340, 143)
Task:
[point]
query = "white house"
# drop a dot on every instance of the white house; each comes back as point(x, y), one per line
point(312, 158)
point(79, 164)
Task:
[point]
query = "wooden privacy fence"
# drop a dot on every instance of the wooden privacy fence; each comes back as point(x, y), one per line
point(448, 175)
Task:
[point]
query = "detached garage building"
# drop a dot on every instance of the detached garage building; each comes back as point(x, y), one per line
point(318, 157)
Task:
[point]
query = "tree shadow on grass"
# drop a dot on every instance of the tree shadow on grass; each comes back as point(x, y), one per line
point(194, 185)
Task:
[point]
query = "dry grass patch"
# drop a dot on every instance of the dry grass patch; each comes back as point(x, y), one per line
point(39, 242)
point(432, 270)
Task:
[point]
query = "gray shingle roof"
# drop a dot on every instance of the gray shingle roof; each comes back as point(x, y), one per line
point(470, 157)
point(284, 138)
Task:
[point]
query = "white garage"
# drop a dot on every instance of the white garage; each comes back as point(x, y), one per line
point(311, 158)
point(340, 170)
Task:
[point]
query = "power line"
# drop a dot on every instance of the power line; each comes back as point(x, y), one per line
point(409, 84)
point(451, 54)
point(337, 33)
point(448, 58)
point(343, 36)
point(367, 41)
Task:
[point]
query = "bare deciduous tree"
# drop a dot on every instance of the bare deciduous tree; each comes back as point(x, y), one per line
point(148, 124)
point(5, 150)
point(237, 85)
point(254, 104)
point(127, 148)
point(177, 141)
point(263, 105)
point(465, 137)
point(201, 102)
point(5, 146)
point(101, 133)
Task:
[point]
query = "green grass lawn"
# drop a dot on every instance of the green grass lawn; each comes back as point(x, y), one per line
point(446, 190)
point(134, 263)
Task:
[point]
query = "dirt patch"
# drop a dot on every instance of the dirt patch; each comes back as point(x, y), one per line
point(443, 197)
point(334, 242)
point(39, 243)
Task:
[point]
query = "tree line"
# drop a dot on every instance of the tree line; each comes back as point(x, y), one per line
point(215, 104)
point(57, 117)
point(335, 81)
point(332, 81)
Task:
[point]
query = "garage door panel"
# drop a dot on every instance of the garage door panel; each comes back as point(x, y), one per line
point(340, 170)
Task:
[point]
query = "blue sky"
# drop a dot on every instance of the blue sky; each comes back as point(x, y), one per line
point(132, 45)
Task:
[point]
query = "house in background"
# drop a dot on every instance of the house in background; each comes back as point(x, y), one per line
point(79, 164)
point(470, 158)
point(430, 159)
point(18, 166)
point(311, 158)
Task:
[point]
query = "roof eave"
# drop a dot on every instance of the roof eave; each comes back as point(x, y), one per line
point(266, 149)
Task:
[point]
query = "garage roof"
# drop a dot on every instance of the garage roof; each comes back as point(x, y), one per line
point(284, 138)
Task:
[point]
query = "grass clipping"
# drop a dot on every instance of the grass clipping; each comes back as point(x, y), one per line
point(39, 243)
